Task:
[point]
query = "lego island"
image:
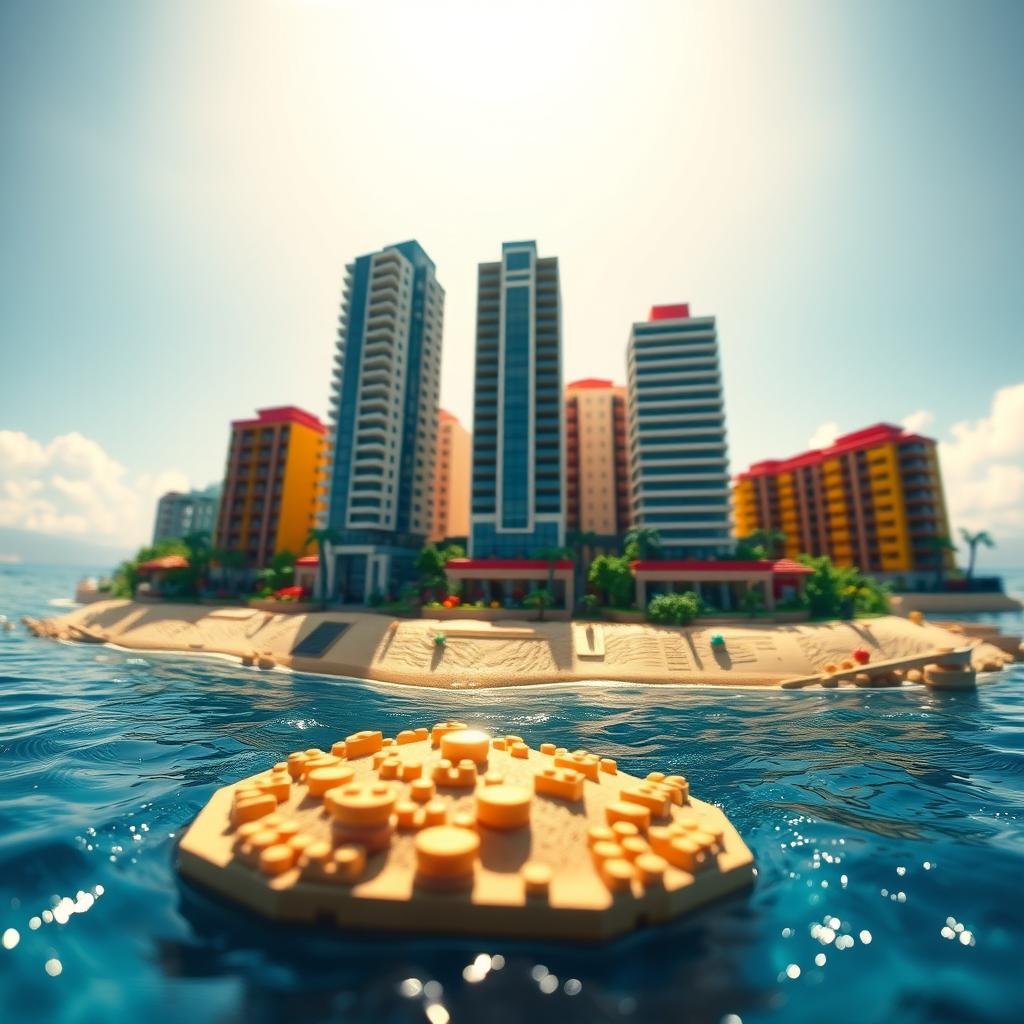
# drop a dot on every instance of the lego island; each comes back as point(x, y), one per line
point(451, 830)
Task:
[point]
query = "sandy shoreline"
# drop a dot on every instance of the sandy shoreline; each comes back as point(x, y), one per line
point(480, 654)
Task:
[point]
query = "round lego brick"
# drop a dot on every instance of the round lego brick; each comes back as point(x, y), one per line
point(363, 805)
point(277, 859)
point(470, 744)
point(444, 851)
point(504, 807)
point(320, 780)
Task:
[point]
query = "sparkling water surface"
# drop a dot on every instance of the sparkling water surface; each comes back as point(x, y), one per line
point(887, 827)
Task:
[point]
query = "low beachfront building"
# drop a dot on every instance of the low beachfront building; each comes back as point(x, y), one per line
point(510, 581)
point(722, 585)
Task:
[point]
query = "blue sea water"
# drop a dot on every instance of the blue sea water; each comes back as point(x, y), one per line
point(887, 827)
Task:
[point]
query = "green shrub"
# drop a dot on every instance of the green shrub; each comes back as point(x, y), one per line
point(673, 609)
point(842, 591)
point(375, 600)
point(591, 604)
point(612, 576)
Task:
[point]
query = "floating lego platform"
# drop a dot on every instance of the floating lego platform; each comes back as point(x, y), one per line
point(449, 830)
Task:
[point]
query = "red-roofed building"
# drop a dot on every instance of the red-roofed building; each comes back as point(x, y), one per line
point(271, 486)
point(509, 580)
point(721, 584)
point(596, 460)
point(873, 498)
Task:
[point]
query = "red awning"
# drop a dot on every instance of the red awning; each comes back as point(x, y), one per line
point(308, 560)
point(504, 564)
point(166, 562)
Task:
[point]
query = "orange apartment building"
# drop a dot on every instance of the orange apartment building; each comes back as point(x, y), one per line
point(451, 479)
point(271, 487)
point(597, 473)
point(872, 499)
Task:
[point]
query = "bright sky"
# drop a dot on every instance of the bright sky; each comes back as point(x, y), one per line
point(183, 183)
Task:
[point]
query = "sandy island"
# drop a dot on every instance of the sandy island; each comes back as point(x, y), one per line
point(483, 654)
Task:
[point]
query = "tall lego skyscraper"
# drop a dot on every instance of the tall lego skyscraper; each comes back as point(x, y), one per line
point(384, 406)
point(518, 502)
point(678, 459)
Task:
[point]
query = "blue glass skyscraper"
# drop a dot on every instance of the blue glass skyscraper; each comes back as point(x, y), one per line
point(518, 498)
point(384, 406)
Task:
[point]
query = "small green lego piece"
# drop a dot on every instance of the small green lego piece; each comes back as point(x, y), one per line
point(717, 640)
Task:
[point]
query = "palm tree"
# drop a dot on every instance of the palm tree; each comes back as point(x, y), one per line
point(579, 541)
point(321, 537)
point(643, 543)
point(768, 540)
point(552, 556)
point(199, 554)
point(230, 561)
point(939, 546)
point(972, 540)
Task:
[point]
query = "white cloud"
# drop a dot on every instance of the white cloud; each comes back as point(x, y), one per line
point(72, 486)
point(824, 435)
point(917, 421)
point(983, 468)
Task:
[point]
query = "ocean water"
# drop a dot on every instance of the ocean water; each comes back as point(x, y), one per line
point(887, 827)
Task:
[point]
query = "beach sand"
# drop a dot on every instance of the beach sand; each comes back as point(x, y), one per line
point(481, 654)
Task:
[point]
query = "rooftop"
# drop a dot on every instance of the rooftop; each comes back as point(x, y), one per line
point(869, 437)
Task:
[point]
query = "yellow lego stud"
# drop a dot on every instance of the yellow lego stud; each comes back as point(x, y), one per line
point(536, 879)
point(503, 807)
point(654, 797)
point(916, 617)
point(460, 776)
point(446, 853)
point(499, 743)
point(347, 863)
point(493, 778)
point(622, 810)
point(465, 744)
point(362, 744)
point(547, 748)
point(390, 768)
point(277, 783)
point(442, 728)
point(435, 813)
point(561, 782)
point(650, 868)
point(320, 780)
point(252, 808)
point(616, 873)
point(277, 859)
point(362, 805)
point(339, 749)
point(608, 766)
point(580, 761)
point(412, 736)
point(519, 749)
point(411, 770)
point(422, 790)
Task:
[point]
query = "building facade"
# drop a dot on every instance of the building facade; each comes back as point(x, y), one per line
point(678, 458)
point(384, 408)
point(451, 480)
point(180, 513)
point(597, 460)
point(873, 499)
point(517, 504)
point(271, 486)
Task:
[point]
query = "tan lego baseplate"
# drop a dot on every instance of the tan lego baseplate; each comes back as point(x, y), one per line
point(450, 830)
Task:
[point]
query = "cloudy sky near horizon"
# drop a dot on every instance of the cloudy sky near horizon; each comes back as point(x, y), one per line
point(184, 181)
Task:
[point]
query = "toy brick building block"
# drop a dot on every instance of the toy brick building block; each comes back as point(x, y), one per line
point(449, 830)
